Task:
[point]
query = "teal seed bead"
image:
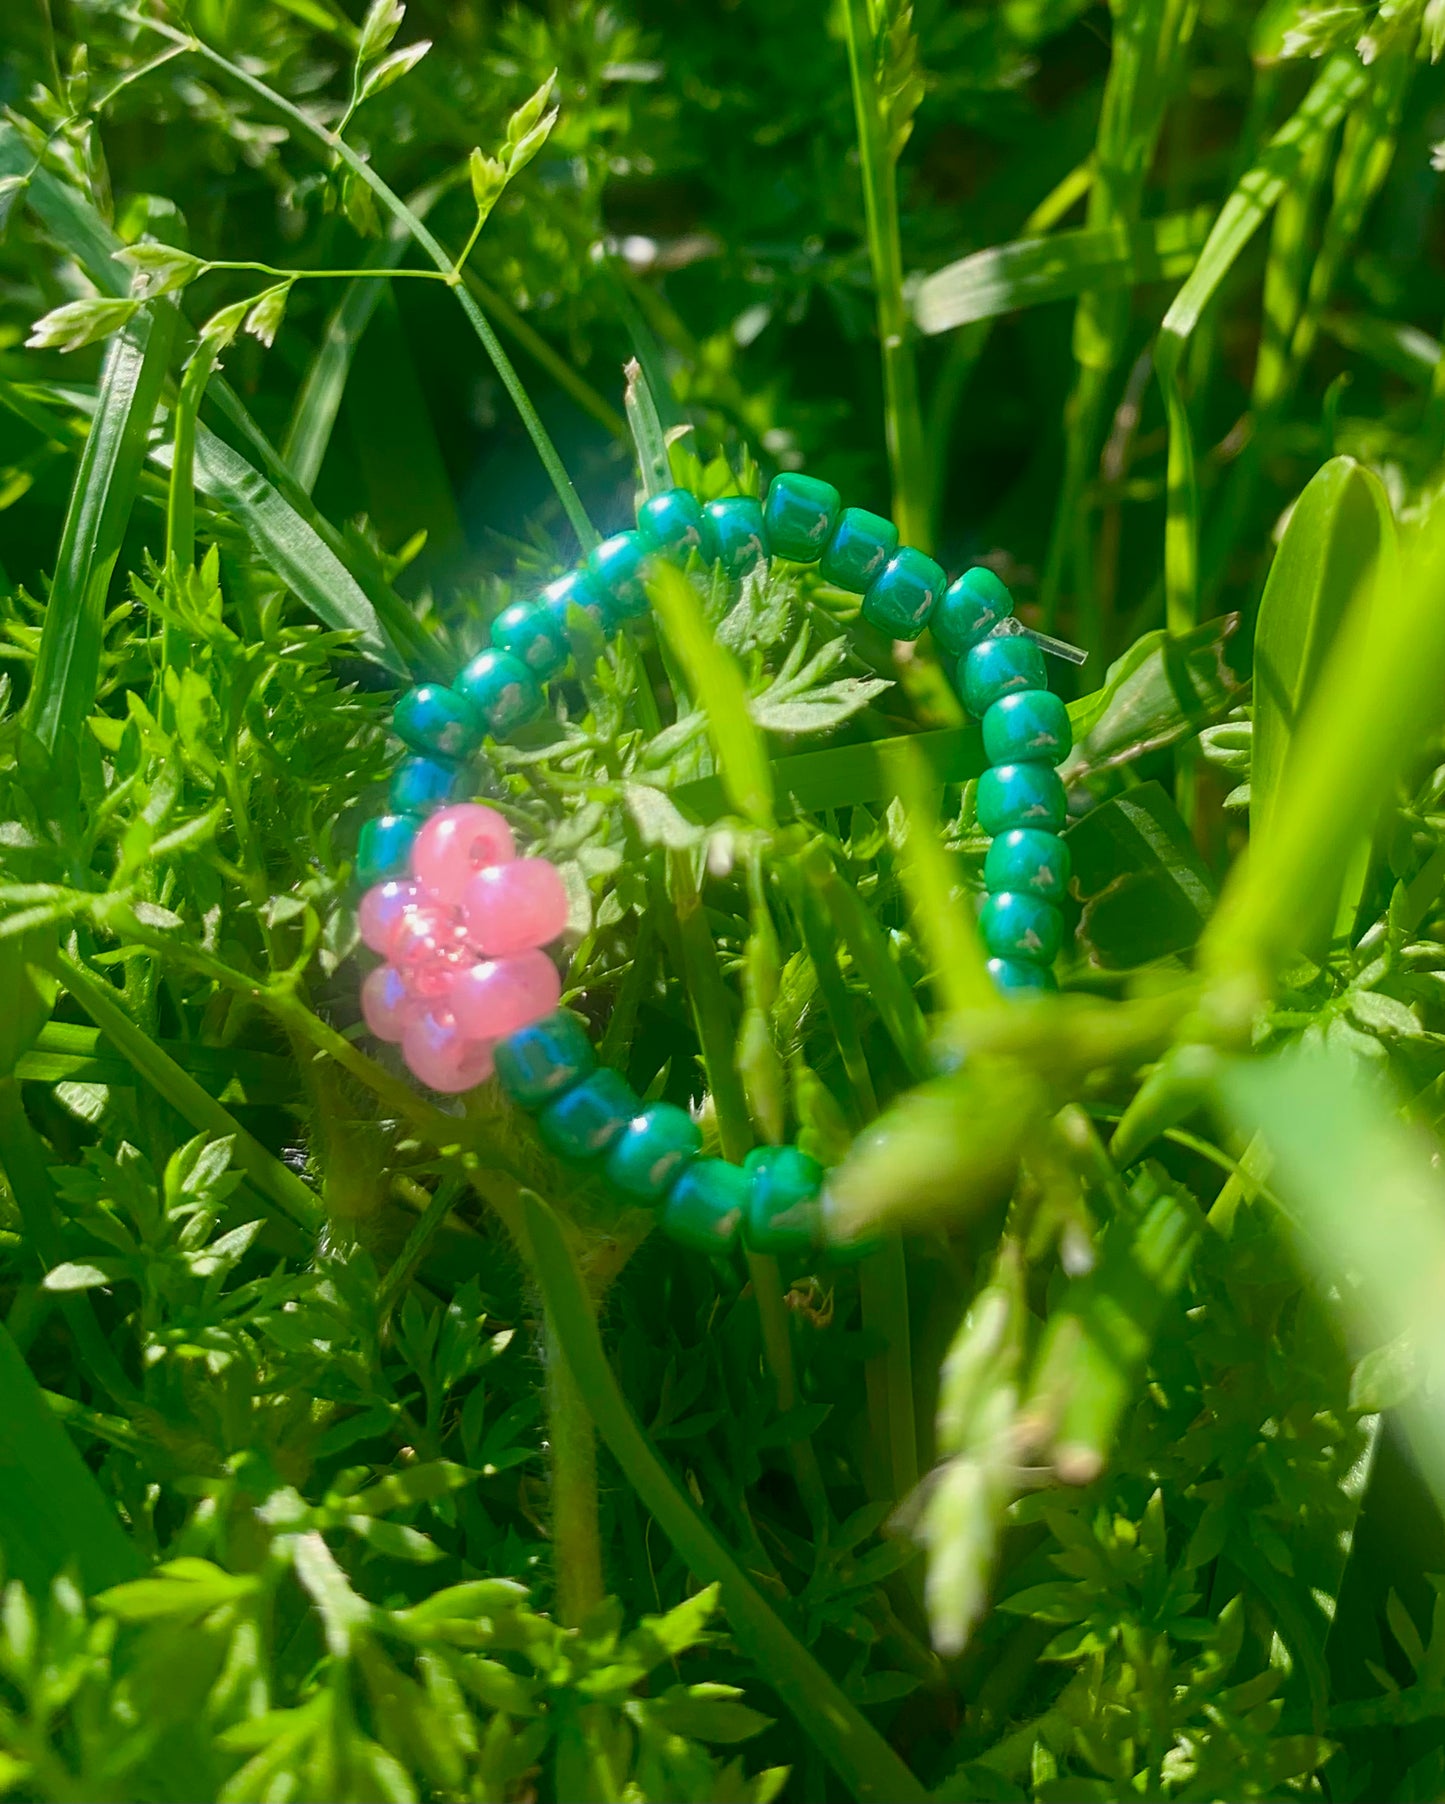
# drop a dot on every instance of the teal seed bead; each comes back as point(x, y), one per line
point(384, 848)
point(420, 784)
point(969, 611)
point(672, 525)
point(652, 1151)
point(616, 569)
point(1017, 925)
point(861, 545)
point(585, 1120)
point(502, 690)
point(800, 514)
point(1020, 795)
point(577, 590)
point(738, 532)
point(996, 667)
point(542, 1061)
point(437, 722)
point(1026, 860)
point(1015, 974)
point(1029, 727)
point(782, 1214)
point(705, 1207)
point(527, 632)
point(904, 594)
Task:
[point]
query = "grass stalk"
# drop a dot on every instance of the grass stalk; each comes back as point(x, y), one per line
point(572, 1448)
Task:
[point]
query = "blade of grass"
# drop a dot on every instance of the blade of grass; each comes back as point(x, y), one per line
point(64, 1052)
point(858, 1754)
point(67, 665)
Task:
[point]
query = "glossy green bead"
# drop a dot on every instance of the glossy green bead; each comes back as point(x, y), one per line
point(800, 514)
point(860, 547)
point(652, 1151)
point(384, 848)
point(438, 722)
point(672, 524)
point(1038, 864)
point(585, 1120)
point(502, 690)
point(738, 532)
point(577, 590)
point(1029, 727)
point(1019, 975)
point(1020, 795)
point(529, 633)
point(969, 611)
point(782, 1214)
point(1017, 925)
point(904, 594)
point(544, 1060)
point(705, 1207)
point(616, 569)
point(997, 667)
point(420, 784)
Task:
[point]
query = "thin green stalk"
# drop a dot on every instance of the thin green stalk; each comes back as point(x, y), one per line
point(878, 159)
point(859, 1755)
point(572, 1444)
point(587, 534)
point(546, 357)
point(181, 503)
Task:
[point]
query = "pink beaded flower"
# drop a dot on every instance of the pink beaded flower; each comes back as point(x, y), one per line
point(462, 939)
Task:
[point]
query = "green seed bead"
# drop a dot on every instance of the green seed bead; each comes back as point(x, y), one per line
point(969, 611)
point(1017, 925)
point(420, 784)
point(1020, 795)
point(782, 1214)
point(437, 722)
point(652, 1151)
point(705, 1207)
point(861, 545)
point(544, 1060)
point(1038, 864)
point(1017, 974)
point(383, 848)
point(738, 532)
point(672, 525)
point(616, 569)
point(997, 667)
point(1029, 727)
point(502, 690)
point(584, 1121)
point(800, 514)
point(529, 633)
point(577, 590)
point(905, 594)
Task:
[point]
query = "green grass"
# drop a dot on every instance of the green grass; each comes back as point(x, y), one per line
point(352, 1448)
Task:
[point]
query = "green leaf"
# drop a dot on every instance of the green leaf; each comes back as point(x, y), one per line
point(52, 1512)
point(71, 1275)
point(1145, 889)
point(67, 667)
point(1338, 530)
point(1031, 272)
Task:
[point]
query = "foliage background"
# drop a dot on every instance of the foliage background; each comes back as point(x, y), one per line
point(299, 1495)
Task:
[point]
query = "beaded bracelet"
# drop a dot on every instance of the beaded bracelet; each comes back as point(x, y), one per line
point(461, 920)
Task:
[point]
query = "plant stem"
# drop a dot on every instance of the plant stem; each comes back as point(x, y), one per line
point(576, 1532)
point(907, 458)
point(571, 503)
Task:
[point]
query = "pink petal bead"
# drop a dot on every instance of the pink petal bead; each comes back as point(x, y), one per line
point(514, 907)
point(501, 995)
point(386, 1003)
point(381, 908)
point(429, 948)
point(442, 1056)
point(456, 843)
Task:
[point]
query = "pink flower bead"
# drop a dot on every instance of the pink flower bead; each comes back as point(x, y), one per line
point(442, 1056)
point(429, 948)
point(501, 995)
point(386, 1003)
point(514, 907)
point(381, 908)
point(456, 843)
